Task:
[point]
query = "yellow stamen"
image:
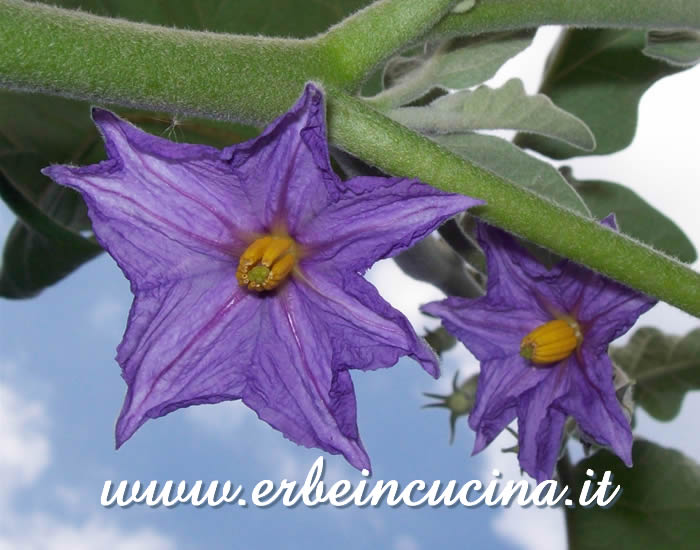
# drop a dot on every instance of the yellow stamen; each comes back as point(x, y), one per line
point(266, 263)
point(551, 342)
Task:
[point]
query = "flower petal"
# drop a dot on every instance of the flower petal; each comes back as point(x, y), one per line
point(594, 405)
point(376, 218)
point(604, 308)
point(514, 276)
point(541, 422)
point(488, 329)
point(294, 384)
point(183, 346)
point(365, 332)
point(285, 172)
point(501, 383)
point(205, 340)
point(164, 211)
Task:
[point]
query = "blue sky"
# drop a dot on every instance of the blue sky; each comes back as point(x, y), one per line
point(61, 390)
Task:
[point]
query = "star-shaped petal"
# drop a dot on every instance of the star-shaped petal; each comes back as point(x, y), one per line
point(246, 267)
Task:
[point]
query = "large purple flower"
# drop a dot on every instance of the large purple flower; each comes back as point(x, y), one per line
point(246, 264)
point(542, 339)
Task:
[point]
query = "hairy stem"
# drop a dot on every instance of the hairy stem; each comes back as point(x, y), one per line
point(253, 79)
point(370, 36)
point(378, 140)
point(499, 15)
point(244, 78)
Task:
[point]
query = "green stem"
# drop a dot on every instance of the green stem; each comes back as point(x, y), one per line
point(245, 78)
point(379, 141)
point(361, 42)
point(253, 79)
point(499, 15)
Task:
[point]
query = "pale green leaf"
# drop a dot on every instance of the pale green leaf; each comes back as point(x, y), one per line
point(681, 48)
point(510, 162)
point(658, 505)
point(635, 216)
point(505, 108)
point(453, 64)
point(664, 368)
point(598, 76)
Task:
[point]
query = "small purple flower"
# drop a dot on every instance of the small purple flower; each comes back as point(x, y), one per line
point(542, 339)
point(246, 264)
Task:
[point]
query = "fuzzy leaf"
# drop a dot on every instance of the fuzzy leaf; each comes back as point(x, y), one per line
point(510, 162)
point(598, 76)
point(505, 108)
point(440, 340)
point(664, 367)
point(453, 64)
point(40, 251)
point(681, 48)
point(635, 217)
point(658, 507)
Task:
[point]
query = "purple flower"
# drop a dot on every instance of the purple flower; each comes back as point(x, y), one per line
point(542, 339)
point(246, 264)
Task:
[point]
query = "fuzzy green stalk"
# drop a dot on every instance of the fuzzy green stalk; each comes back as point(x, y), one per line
point(365, 39)
point(74, 54)
point(500, 15)
point(376, 139)
point(254, 79)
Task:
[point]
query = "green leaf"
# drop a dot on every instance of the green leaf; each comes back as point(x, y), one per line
point(680, 48)
point(510, 162)
point(453, 64)
point(507, 107)
point(65, 206)
point(435, 262)
point(658, 507)
point(38, 250)
point(635, 216)
point(440, 340)
point(664, 367)
point(598, 76)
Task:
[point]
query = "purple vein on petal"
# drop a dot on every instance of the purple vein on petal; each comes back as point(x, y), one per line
point(225, 249)
point(232, 300)
point(223, 219)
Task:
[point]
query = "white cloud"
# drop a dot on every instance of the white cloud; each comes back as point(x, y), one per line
point(108, 315)
point(24, 447)
point(25, 453)
point(406, 542)
point(530, 528)
point(42, 533)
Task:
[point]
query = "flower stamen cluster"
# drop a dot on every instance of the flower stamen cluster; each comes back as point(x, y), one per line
point(266, 263)
point(551, 342)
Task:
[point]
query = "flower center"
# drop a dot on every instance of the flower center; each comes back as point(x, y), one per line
point(266, 263)
point(551, 342)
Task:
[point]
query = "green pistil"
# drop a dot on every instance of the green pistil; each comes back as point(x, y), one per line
point(258, 274)
point(526, 352)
